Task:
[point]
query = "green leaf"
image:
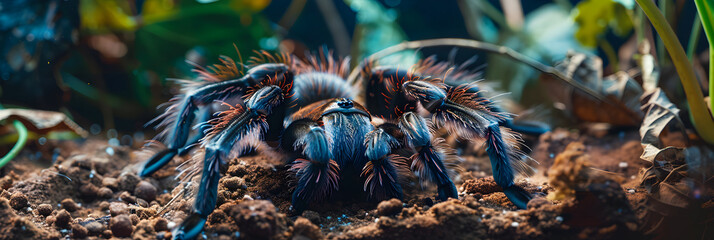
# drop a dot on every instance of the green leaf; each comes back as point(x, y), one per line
point(215, 27)
point(595, 17)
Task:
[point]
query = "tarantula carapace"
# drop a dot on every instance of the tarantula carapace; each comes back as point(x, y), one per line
point(332, 141)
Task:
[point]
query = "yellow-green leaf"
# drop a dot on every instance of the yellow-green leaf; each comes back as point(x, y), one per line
point(594, 17)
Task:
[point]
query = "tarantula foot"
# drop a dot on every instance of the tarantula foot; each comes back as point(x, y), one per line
point(190, 228)
point(383, 170)
point(446, 191)
point(157, 161)
point(316, 181)
point(382, 180)
point(518, 196)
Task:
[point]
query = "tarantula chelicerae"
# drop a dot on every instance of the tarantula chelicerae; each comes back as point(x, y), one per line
point(334, 142)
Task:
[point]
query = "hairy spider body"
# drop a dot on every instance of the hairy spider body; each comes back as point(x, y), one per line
point(332, 141)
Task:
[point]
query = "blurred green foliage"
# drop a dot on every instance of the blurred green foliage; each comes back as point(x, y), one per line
point(594, 17)
point(546, 36)
point(377, 29)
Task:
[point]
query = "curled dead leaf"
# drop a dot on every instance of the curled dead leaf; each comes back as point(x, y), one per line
point(621, 92)
point(679, 180)
point(42, 122)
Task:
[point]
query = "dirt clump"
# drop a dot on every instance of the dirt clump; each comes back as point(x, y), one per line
point(17, 227)
point(18, 201)
point(258, 218)
point(121, 226)
point(63, 219)
point(389, 207)
point(95, 228)
point(44, 209)
point(303, 228)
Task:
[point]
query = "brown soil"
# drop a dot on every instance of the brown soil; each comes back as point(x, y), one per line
point(92, 191)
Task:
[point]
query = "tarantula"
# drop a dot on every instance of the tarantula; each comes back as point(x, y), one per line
point(333, 141)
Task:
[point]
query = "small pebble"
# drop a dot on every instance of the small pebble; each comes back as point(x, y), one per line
point(62, 219)
point(622, 165)
point(95, 228)
point(389, 207)
point(118, 208)
point(44, 209)
point(514, 224)
point(18, 201)
point(134, 219)
point(110, 182)
point(247, 197)
point(631, 190)
point(88, 191)
point(69, 205)
point(145, 190)
point(128, 181)
point(107, 234)
point(105, 192)
point(104, 206)
point(161, 224)
point(127, 197)
point(121, 226)
point(559, 218)
point(78, 231)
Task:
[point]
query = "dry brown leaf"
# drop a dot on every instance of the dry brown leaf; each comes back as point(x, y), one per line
point(620, 90)
point(42, 122)
point(659, 113)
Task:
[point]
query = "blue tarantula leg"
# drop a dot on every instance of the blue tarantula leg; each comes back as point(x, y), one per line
point(317, 175)
point(231, 135)
point(178, 137)
point(204, 114)
point(179, 117)
point(472, 91)
point(205, 198)
point(464, 114)
point(503, 155)
point(383, 169)
point(428, 162)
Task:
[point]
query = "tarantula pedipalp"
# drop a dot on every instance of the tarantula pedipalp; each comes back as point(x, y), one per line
point(333, 142)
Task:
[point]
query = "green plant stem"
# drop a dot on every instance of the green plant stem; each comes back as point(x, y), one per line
point(21, 140)
point(639, 23)
point(702, 119)
point(706, 13)
point(694, 38)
